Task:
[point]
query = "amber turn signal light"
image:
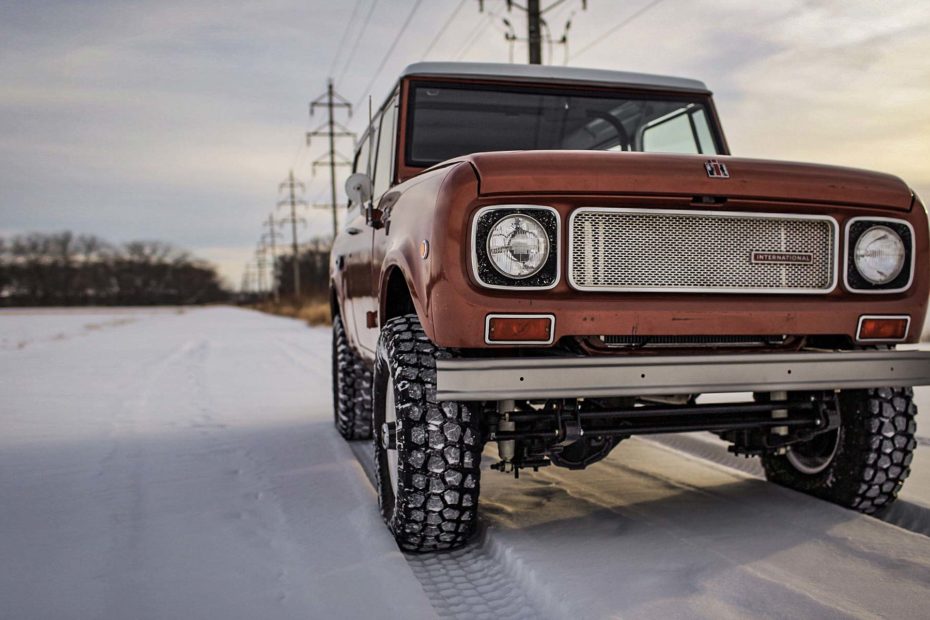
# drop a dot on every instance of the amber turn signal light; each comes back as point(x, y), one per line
point(515, 329)
point(883, 327)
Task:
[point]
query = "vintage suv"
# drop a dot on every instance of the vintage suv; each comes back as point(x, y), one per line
point(555, 259)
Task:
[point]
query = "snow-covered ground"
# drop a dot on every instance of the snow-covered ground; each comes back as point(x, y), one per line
point(20, 328)
point(166, 464)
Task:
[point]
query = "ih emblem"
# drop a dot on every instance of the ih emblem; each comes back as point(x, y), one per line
point(716, 170)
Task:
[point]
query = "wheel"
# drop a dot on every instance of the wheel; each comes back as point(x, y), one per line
point(427, 453)
point(351, 388)
point(862, 464)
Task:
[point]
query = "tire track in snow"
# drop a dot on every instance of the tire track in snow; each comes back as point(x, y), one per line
point(297, 355)
point(467, 583)
point(452, 581)
point(904, 514)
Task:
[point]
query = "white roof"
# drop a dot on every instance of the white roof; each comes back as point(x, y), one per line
point(548, 73)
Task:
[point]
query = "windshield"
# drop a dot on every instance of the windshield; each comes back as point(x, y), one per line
point(450, 120)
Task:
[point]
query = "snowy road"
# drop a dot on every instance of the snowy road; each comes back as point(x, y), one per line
point(159, 464)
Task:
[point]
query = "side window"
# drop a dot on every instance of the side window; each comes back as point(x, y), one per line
point(686, 131)
point(361, 163)
point(671, 135)
point(361, 156)
point(385, 159)
point(702, 129)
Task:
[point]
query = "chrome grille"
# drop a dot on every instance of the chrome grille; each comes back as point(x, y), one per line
point(699, 251)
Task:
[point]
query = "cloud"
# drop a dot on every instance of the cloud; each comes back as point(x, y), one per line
point(829, 82)
point(176, 120)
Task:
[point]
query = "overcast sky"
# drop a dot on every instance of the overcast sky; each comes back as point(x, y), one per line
point(175, 120)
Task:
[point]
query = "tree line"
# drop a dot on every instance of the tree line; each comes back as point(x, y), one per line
point(314, 271)
point(63, 269)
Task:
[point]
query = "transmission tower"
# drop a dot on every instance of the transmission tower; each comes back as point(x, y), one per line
point(331, 130)
point(246, 279)
point(534, 25)
point(261, 265)
point(293, 202)
point(271, 236)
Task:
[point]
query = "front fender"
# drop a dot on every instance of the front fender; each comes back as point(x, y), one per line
point(423, 218)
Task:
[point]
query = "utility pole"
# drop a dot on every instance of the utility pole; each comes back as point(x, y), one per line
point(244, 285)
point(271, 236)
point(533, 31)
point(331, 130)
point(534, 25)
point(247, 279)
point(290, 184)
point(261, 264)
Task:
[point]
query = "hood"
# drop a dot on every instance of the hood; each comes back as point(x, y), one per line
point(604, 172)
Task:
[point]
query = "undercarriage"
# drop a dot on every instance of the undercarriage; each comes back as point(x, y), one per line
point(575, 433)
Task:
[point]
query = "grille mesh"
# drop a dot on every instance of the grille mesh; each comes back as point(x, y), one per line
point(659, 250)
point(693, 341)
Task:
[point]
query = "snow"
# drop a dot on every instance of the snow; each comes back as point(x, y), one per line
point(20, 328)
point(183, 464)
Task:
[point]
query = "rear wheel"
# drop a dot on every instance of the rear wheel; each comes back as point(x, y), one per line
point(427, 453)
point(863, 463)
point(351, 388)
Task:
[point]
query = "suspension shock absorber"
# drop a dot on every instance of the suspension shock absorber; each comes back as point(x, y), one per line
point(778, 414)
point(506, 448)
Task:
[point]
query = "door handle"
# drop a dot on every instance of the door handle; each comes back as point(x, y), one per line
point(352, 230)
point(341, 262)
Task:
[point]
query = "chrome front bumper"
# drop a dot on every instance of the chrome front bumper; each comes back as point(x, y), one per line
point(590, 377)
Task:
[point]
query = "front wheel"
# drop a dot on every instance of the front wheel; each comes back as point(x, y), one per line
point(863, 463)
point(427, 453)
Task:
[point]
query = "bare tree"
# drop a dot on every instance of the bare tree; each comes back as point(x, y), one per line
point(64, 269)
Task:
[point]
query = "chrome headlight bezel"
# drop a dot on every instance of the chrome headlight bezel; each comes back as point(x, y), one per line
point(854, 279)
point(488, 275)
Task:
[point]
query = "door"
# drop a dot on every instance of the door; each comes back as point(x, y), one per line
point(383, 179)
point(353, 254)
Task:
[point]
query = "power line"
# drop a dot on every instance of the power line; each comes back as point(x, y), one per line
point(390, 51)
point(442, 30)
point(473, 36)
point(358, 40)
point(614, 29)
point(345, 33)
point(300, 150)
point(300, 160)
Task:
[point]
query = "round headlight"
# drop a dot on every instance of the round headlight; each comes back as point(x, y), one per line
point(879, 255)
point(518, 246)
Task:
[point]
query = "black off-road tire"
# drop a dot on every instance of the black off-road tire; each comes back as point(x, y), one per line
point(438, 445)
point(873, 454)
point(351, 388)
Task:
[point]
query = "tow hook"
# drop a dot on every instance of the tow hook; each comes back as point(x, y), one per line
point(389, 435)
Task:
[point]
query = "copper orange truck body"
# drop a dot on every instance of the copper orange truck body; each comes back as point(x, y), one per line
point(569, 288)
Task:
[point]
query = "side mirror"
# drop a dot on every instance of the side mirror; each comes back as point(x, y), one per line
point(358, 188)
